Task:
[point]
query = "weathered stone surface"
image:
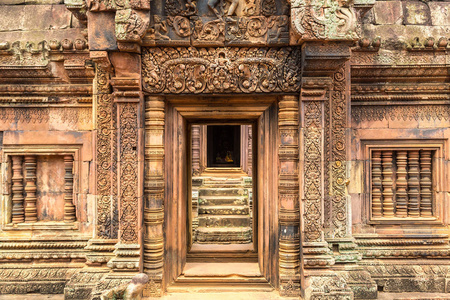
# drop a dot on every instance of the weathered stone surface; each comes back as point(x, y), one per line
point(101, 30)
point(440, 13)
point(388, 12)
point(416, 13)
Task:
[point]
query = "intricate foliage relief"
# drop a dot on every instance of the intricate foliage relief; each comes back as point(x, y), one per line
point(313, 167)
point(128, 173)
point(221, 70)
point(339, 153)
point(105, 211)
point(401, 113)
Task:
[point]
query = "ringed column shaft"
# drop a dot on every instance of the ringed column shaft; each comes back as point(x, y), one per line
point(18, 212)
point(288, 153)
point(69, 207)
point(154, 192)
point(30, 189)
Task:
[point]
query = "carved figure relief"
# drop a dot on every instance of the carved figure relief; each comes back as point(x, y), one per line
point(325, 19)
point(221, 70)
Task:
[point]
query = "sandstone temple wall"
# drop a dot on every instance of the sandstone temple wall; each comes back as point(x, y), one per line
point(349, 107)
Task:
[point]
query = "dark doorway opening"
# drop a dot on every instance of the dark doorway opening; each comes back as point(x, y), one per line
point(223, 146)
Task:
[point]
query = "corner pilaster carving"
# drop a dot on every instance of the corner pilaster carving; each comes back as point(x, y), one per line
point(315, 92)
point(128, 99)
point(107, 217)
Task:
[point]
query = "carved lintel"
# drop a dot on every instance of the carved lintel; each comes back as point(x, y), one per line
point(220, 70)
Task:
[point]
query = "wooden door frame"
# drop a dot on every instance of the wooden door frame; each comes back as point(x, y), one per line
point(181, 110)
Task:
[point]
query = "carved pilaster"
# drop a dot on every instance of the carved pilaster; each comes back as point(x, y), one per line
point(402, 185)
point(339, 125)
point(107, 218)
point(30, 188)
point(128, 98)
point(154, 193)
point(289, 254)
point(315, 91)
point(426, 208)
point(388, 192)
point(18, 213)
point(69, 207)
point(413, 184)
point(377, 210)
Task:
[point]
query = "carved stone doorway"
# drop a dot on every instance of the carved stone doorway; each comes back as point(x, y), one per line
point(180, 113)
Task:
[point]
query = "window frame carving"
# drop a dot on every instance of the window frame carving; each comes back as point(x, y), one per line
point(437, 148)
point(37, 150)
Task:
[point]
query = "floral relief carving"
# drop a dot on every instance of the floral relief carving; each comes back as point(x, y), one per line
point(339, 153)
point(221, 70)
point(312, 167)
point(128, 172)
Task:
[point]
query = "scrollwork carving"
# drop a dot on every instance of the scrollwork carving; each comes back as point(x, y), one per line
point(221, 70)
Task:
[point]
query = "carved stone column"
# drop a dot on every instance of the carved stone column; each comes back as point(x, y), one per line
point(289, 255)
point(154, 194)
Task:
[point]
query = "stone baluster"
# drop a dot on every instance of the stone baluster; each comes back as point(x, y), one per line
point(402, 185)
point(426, 209)
point(250, 152)
point(377, 209)
point(18, 213)
point(30, 189)
point(69, 207)
point(388, 192)
point(413, 184)
point(195, 150)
